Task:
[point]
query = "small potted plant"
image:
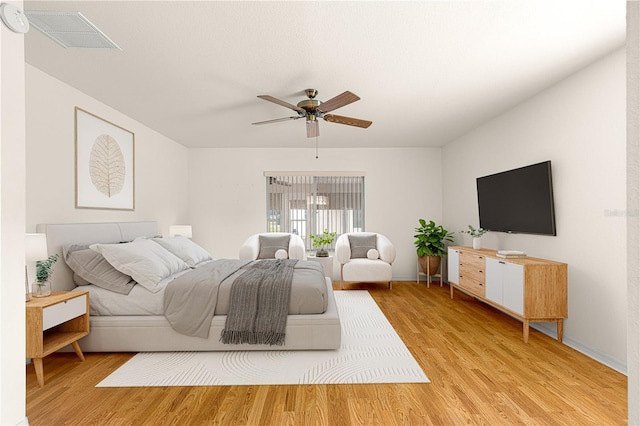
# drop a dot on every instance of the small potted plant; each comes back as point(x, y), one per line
point(321, 241)
point(475, 234)
point(44, 272)
point(430, 243)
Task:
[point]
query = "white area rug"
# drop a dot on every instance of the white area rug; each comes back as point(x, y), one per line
point(371, 352)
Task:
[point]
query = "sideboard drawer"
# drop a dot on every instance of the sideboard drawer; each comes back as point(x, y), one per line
point(64, 311)
point(472, 260)
point(475, 272)
point(471, 285)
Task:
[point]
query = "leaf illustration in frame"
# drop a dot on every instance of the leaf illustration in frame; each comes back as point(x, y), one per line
point(106, 166)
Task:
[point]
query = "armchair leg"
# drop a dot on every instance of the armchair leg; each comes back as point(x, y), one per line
point(389, 285)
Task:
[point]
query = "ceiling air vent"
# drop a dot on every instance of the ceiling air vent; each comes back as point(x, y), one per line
point(70, 29)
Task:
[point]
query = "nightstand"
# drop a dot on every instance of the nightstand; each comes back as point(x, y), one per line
point(54, 322)
point(327, 264)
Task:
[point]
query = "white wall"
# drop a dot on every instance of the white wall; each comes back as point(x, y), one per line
point(227, 197)
point(161, 181)
point(579, 124)
point(633, 205)
point(12, 200)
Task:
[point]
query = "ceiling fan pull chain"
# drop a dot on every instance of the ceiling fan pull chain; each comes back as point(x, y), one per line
point(316, 147)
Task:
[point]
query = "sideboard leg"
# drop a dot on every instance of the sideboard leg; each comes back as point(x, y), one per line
point(525, 331)
point(560, 324)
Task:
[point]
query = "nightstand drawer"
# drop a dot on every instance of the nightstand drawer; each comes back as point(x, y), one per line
point(63, 311)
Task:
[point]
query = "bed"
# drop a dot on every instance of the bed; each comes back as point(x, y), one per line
point(113, 330)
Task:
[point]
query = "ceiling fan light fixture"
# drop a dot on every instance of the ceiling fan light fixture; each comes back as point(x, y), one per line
point(313, 109)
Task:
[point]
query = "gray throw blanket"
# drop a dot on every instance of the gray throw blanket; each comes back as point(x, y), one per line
point(259, 303)
point(190, 299)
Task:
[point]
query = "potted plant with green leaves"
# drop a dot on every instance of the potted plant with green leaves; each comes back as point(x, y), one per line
point(430, 244)
point(475, 234)
point(322, 241)
point(44, 272)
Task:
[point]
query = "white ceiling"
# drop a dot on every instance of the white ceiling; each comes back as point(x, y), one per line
point(426, 72)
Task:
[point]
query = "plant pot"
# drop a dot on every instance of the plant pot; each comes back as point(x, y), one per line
point(434, 264)
point(41, 289)
point(477, 245)
point(322, 253)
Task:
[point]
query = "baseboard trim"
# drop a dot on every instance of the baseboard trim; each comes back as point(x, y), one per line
point(551, 331)
point(582, 348)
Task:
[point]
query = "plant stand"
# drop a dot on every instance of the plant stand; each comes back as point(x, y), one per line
point(419, 272)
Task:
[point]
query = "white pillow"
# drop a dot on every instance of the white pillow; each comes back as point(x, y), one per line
point(145, 261)
point(373, 254)
point(185, 249)
point(281, 254)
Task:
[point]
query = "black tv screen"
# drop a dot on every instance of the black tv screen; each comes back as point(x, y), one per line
point(518, 201)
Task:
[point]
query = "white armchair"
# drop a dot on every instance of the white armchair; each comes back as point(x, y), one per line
point(365, 257)
point(265, 246)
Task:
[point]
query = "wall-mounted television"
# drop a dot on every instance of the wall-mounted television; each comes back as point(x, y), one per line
point(518, 200)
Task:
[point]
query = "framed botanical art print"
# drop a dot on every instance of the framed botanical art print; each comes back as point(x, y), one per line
point(105, 169)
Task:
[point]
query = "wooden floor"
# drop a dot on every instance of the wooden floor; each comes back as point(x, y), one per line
point(480, 370)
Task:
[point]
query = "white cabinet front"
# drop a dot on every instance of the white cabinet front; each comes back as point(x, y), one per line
point(453, 270)
point(493, 278)
point(513, 287)
point(505, 284)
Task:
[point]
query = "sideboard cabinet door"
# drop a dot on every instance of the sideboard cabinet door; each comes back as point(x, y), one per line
point(513, 287)
point(453, 270)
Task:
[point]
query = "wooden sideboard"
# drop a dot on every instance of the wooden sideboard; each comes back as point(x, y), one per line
point(529, 289)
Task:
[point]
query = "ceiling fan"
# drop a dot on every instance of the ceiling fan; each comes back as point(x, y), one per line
point(312, 109)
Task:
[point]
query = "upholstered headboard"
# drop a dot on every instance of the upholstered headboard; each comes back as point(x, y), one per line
point(60, 235)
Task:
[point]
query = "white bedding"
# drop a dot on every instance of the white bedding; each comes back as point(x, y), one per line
point(140, 301)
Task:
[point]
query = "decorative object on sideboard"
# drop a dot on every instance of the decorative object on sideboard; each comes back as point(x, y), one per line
point(322, 241)
point(35, 249)
point(475, 234)
point(430, 241)
point(183, 230)
point(511, 254)
point(104, 164)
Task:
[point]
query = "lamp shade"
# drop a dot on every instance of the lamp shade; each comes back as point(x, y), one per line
point(35, 247)
point(183, 230)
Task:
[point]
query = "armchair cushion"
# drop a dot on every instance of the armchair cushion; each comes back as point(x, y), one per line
point(270, 244)
point(361, 244)
point(295, 248)
point(373, 254)
point(367, 270)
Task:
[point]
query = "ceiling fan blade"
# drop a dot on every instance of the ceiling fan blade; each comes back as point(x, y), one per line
point(339, 101)
point(281, 103)
point(313, 129)
point(348, 121)
point(276, 120)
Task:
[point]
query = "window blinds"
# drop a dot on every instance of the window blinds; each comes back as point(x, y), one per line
point(305, 204)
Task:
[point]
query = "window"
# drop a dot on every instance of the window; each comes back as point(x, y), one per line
point(307, 204)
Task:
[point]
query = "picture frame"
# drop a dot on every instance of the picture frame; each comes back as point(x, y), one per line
point(105, 163)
